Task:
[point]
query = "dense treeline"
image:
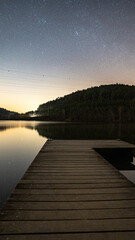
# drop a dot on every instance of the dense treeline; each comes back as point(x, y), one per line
point(6, 114)
point(107, 103)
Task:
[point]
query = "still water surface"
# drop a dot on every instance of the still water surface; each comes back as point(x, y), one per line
point(20, 141)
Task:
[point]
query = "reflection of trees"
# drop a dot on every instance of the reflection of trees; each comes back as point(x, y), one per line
point(87, 131)
point(3, 128)
point(124, 132)
point(30, 127)
point(77, 131)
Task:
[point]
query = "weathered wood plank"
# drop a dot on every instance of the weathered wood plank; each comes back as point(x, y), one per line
point(68, 153)
point(44, 160)
point(72, 186)
point(70, 158)
point(72, 198)
point(73, 177)
point(61, 167)
point(67, 214)
point(73, 181)
point(70, 165)
point(102, 171)
point(74, 191)
point(109, 174)
point(71, 205)
point(93, 143)
point(24, 227)
point(73, 236)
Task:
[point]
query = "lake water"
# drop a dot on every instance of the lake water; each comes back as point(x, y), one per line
point(20, 141)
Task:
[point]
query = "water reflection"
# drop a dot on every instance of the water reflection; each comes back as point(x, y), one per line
point(20, 141)
point(58, 130)
point(87, 131)
point(18, 147)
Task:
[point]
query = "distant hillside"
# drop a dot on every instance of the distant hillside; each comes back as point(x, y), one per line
point(107, 103)
point(6, 114)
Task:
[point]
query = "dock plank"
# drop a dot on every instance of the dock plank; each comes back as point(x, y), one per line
point(24, 227)
point(71, 205)
point(74, 191)
point(75, 198)
point(67, 214)
point(72, 236)
point(72, 186)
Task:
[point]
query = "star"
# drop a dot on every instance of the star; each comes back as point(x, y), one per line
point(76, 33)
point(43, 21)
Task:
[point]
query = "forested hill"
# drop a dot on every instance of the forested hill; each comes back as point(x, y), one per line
point(107, 103)
point(6, 114)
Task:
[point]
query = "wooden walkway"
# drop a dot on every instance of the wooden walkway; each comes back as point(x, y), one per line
point(70, 192)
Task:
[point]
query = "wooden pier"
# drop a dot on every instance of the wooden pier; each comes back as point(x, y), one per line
point(70, 192)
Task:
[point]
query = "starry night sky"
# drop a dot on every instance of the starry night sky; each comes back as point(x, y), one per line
point(49, 48)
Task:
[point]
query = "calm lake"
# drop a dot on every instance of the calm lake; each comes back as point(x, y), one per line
point(20, 141)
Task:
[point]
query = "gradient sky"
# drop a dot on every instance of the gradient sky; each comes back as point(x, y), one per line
point(49, 48)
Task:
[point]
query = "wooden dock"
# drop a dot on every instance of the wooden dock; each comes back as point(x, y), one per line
point(70, 192)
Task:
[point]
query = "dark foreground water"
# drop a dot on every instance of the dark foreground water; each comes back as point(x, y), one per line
point(20, 141)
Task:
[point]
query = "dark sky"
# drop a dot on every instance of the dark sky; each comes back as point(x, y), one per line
point(49, 48)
